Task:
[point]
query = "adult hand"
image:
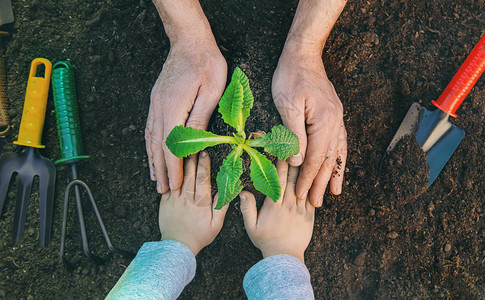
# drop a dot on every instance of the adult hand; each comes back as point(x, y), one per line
point(310, 107)
point(282, 227)
point(188, 215)
point(186, 93)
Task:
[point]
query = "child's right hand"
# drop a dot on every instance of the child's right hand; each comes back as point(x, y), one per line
point(284, 227)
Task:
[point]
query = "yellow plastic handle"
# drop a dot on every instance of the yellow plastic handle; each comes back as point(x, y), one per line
point(30, 132)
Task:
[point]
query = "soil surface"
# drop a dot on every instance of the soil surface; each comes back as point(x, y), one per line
point(385, 237)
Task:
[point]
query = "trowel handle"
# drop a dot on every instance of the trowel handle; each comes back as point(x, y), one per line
point(65, 101)
point(32, 124)
point(463, 81)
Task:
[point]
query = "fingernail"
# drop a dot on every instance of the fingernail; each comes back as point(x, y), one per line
point(159, 188)
point(170, 184)
point(203, 154)
point(320, 202)
point(242, 197)
point(152, 174)
point(339, 189)
point(297, 159)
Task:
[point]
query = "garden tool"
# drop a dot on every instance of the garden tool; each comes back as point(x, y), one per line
point(72, 151)
point(4, 119)
point(27, 162)
point(434, 133)
point(6, 13)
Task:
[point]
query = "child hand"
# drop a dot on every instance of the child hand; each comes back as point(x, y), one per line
point(284, 227)
point(188, 215)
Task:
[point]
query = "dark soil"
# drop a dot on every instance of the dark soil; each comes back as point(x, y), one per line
point(384, 237)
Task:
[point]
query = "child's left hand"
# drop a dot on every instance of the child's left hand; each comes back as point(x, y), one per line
point(188, 215)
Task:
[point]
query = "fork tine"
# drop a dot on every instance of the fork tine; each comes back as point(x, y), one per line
point(24, 187)
point(4, 183)
point(46, 202)
point(6, 172)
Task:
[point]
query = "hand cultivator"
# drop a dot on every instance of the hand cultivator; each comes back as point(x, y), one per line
point(27, 162)
point(71, 152)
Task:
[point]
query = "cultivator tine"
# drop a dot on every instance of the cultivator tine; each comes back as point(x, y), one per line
point(24, 187)
point(46, 206)
point(76, 184)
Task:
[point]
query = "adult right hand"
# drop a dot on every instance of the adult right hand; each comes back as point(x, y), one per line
point(186, 92)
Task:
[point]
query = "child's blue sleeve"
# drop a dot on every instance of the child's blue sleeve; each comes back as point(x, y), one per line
point(278, 277)
point(160, 270)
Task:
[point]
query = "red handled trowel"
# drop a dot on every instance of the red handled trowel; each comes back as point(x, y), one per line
point(434, 133)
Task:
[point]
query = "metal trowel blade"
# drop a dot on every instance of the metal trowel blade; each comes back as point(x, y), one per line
point(434, 133)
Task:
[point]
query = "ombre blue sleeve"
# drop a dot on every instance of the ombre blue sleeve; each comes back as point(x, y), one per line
point(160, 270)
point(278, 277)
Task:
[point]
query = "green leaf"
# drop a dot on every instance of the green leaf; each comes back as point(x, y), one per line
point(228, 182)
point(264, 174)
point(237, 101)
point(184, 141)
point(280, 142)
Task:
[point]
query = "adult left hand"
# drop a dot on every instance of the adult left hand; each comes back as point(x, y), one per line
point(310, 107)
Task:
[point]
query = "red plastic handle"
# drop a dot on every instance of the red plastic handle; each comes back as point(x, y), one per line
point(463, 81)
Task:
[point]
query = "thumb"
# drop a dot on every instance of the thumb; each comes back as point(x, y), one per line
point(248, 209)
point(218, 215)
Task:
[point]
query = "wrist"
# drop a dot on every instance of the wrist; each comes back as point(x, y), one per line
point(194, 248)
point(297, 254)
point(183, 20)
point(300, 46)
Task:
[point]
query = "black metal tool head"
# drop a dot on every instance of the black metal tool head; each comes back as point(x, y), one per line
point(27, 163)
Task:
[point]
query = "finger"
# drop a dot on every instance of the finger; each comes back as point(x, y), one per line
point(204, 106)
point(339, 169)
point(158, 159)
point(218, 214)
point(148, 144)
point(248, 210)
point(174, 164)
point(321, 180)
point(190, 170)
point(318, 145)
point(290, 195)
point(282, 169)
point(165, 197)
point(293, 115)
point(203, 181)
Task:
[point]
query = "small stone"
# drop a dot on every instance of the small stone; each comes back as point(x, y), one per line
point(392, 235)
point(132, 127)
point(30, 231)
point(447, 248)
point(124, 131)
point(360, 173)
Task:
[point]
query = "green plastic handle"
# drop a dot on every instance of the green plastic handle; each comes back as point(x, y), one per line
point(68, 127)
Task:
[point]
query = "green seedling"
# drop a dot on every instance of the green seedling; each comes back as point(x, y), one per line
point(235, 106)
